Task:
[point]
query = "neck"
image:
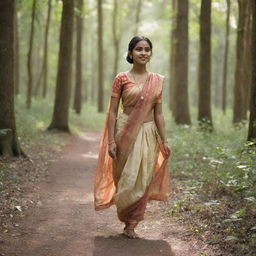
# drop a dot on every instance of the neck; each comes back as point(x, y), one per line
point(140, 69)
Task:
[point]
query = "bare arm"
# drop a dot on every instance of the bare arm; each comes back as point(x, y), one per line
point(113, 109)
point(159, 120)
point(160, 124)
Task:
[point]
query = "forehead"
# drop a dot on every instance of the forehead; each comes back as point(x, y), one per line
point(142, 43)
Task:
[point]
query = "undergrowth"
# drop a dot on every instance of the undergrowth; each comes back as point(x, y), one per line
point(217, 173)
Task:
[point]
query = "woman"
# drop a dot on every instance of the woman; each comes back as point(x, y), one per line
point(132, 165)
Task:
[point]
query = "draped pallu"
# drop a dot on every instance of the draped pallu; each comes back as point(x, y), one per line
point(140, 172)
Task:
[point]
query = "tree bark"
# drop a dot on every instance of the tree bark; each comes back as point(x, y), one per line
point(137, 17)
point(16, 54)
point(29, 62)
point(182, 115)
point(247, 58)
point(79, 52)
point(62, 94)
point(100, 58)
point(94, 81)
point(172, 57)
point(9, 144)
point(204, 72)
point(225, 65)
point(45, 60)
point(252, 120)
point(44, 69)
point(116, 38)
point(239, 88)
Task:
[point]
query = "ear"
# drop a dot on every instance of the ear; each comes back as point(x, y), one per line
point(130, 54)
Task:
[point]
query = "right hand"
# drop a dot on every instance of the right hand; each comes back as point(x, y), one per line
point(112, 150)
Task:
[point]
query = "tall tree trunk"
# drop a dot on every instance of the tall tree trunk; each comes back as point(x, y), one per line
point(85, 56)
point(116, 37)
point(9, 144)
point(204, 72)
point(100, 59)
point(16, 54)
point(94, 81)
point(137, 17)
point(62, 94)
point(252, 121)
point(79, 52)
point(239, 89)
point(172, 57)
point(45, 60)
point(182, 115)
point(29, 62)
point(247, 60)
point(225, 65)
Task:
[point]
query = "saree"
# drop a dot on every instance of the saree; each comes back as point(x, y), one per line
point(140, 172)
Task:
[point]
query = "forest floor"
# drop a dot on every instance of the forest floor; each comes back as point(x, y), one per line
point(57, 216)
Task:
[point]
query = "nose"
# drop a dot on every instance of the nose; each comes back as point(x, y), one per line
point(143, 52)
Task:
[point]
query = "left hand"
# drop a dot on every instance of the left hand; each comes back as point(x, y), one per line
point(167, 152)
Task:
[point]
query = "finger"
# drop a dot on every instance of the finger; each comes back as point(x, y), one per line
point(111, 154)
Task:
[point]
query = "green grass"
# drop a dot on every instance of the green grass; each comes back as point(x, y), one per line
point(34, 122)
point(218, 174)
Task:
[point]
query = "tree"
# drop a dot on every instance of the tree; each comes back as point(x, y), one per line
point(252, 121)
point(100, 58)
point(16, 53)
point(45, 60)
point(44, 69)
point(62, 93)
point(79, 52)
point(29, 62)
point(239, 104)
point(204, 72)
point(225, 65)
point(247, 57)
point(116, 37)
point(8, 136)
point(172, 57)
point(137, 16)
point(181, 63)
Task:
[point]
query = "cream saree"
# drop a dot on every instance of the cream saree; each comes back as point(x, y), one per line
point(140, 172)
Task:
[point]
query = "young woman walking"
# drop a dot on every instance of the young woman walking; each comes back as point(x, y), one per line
point(132, 164)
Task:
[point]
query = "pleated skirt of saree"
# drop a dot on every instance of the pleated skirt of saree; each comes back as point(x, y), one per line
point(132, 189)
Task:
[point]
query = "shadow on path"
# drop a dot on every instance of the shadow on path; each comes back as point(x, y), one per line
point(120, 245)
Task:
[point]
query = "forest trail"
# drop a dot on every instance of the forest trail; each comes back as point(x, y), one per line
point(65, 224)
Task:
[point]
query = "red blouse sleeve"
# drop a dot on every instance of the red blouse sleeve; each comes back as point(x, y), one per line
point(160, 94)
point(117, 87)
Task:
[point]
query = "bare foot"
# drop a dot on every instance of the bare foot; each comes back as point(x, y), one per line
point(130, 233)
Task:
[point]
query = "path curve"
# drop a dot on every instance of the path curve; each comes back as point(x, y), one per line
point(65, 224)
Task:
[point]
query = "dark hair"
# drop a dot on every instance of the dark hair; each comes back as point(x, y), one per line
point(133, 43)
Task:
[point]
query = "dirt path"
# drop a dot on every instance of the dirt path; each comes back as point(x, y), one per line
point(65, 224)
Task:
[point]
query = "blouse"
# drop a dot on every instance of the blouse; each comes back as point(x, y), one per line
point(123, 88)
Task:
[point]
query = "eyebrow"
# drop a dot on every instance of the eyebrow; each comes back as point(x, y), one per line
point(147, 47)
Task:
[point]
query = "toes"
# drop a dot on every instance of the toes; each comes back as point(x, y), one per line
point(130, 234)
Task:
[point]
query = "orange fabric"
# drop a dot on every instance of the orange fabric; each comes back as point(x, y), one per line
point(109, 171)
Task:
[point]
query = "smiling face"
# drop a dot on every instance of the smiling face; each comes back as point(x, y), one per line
point(141, 53)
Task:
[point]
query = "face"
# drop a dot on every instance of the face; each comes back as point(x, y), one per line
point(141, 53)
